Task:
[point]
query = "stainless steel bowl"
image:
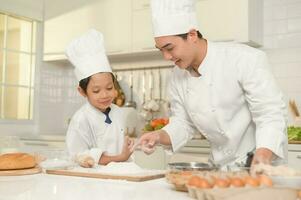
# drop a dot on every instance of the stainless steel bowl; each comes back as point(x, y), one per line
point(193, 166)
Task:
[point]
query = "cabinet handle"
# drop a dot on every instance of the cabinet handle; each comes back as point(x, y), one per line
point(36, 144)
point(299, 156)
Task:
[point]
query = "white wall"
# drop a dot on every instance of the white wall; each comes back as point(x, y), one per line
point(59, 98)
point(282, 42)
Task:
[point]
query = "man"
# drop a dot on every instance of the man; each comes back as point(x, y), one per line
point(223, 90)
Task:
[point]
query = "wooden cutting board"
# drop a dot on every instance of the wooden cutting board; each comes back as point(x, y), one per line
point(129, 177)
point(19, 172)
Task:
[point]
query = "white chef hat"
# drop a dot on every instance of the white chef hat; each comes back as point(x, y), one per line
point(87, 54)
point(173, 17)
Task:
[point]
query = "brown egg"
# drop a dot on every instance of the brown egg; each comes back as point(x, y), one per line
point(265, 180)
point(204, 184)
point(299, 194)
point(194, 181)
point(249, 180)
point(237, 182)
point(222, 183)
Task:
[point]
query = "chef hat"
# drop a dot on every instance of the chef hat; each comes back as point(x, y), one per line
point(87, 54)
point(173, 17)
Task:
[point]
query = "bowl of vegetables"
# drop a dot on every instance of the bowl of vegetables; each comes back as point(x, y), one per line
point(155, 124)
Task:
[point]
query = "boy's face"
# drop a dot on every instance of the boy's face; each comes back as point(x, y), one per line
point(101, 91)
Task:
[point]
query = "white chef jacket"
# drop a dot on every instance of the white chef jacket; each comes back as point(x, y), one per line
point(235, 104)
point(88, 134)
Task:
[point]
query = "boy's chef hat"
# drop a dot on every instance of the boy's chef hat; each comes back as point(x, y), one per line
point(173, 17)
point(87, 54)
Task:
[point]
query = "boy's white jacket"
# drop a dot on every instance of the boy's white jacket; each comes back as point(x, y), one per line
point(89, 135)
point(235, 103)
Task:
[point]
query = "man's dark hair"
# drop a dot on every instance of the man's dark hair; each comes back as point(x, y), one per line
point(184, 36)
point(84, 82)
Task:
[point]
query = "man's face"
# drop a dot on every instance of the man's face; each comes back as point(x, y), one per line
point(176, 49)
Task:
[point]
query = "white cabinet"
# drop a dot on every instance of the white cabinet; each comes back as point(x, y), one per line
point(231, 20)
point(294, 159)
point(116, 25)
point(127, 25)
point(142, 33)
point(294, 156)
point(60, 30)
point(156, 160)
point(189, 157)
point(34, 146)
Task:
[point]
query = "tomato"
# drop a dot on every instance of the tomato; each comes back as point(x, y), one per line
point(159, 122)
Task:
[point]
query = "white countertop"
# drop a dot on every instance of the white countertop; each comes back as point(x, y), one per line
point(56, 187)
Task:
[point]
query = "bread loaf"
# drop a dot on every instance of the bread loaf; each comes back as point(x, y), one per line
point(11, 161)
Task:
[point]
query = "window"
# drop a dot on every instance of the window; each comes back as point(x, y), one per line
point(17, 67)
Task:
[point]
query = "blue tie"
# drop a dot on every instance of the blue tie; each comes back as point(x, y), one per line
point(108, 120)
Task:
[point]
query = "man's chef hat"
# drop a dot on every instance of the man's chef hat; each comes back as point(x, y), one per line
point(87, 54)
point(173, 17)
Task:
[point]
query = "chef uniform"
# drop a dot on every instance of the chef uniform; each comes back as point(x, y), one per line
point(92, 132)
point(235, 102)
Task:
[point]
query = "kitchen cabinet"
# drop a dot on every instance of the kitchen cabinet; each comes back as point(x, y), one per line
point(116, 25)
point(127, 25)
point(294, 156)
point(37, 144)
point(194, 151)
point(156, 160)
point(61, 29)
point(231, 20)
point(142, 32)
point(112, 17)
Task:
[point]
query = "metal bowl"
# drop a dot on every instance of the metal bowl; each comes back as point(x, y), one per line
point(191, 166)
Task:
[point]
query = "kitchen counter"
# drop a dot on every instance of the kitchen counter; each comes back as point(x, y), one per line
point(55, 187)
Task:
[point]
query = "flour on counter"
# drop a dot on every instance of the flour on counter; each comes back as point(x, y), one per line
point(119, 168)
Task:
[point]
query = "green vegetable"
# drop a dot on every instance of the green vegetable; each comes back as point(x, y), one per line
point(148, 127)
point(159, 126)
point(294, 133)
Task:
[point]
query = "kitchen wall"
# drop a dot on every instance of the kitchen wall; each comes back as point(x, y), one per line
point(282, 42)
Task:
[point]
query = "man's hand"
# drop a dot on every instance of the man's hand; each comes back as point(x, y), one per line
point(148, 141)
point(263, 155)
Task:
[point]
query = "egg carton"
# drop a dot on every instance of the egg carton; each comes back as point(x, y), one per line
point(179, 179)
point(243, 193)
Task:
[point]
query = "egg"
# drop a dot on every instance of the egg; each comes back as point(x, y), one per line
point(204, 184)
point(249, 180)
point(237, 182)
point(265, 180)
point(222, 183)
point(194, 181)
